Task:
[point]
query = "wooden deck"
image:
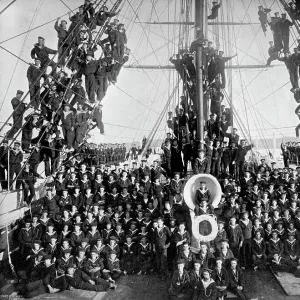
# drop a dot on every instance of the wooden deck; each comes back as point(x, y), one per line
point(261, 285)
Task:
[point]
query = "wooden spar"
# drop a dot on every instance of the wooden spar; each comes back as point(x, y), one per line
point(192, 23)
point(172, 67)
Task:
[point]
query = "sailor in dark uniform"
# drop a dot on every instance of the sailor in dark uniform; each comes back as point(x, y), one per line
point(34, 74)
point(15, 160)
point(214, 10)
point(3, 164)
point(19, 108)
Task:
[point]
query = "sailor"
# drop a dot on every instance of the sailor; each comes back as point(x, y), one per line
point(180, 282)
point(214, 10)
point(58, 144)
point(62, 45)
point(200, 165)
point(220, 66)
point(162, 242)
point(77, 21)
point(236, 280)
point(263, 18)
point(292, 63)
point(3, 164)
point(28, 178)
point(241, 157)
point(81, 125)
point(42, 52)
point(19, 108)
point(89, 73)
point(77, 279)
point(15, 160)
point(32, 121)
point(101, 77)
point(103, 14)
point(120, 43)
point(89, 12)
point(68, 124)
point(206, 288)
point(277, 36)
point(34, 74)
point(285, 25)
point(286, 155)
point(26, 237)
point(273, 53)
point(48, 281)
point(79, 93)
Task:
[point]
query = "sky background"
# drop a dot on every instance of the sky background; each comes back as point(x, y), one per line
point(261, 97)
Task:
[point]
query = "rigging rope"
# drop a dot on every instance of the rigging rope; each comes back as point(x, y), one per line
point(7, 6)
point(21, 51)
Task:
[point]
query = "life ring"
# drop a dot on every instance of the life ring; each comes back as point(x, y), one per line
point(196, 223)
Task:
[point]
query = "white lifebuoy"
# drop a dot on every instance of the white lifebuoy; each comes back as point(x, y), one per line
point(195, 228)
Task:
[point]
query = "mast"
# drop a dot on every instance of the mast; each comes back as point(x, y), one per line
point(200, 25)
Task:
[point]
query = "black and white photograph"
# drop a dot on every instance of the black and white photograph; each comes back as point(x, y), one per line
point(150, 149)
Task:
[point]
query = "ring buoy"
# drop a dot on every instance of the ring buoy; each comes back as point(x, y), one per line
point(195, 228)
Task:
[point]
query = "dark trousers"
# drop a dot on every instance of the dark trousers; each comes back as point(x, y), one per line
point(34, 289)
point(286, 40)
point(185, 166)
point(34, 96)
point(14, 170)
point(161, 260)
point(63, 52)
point(223, 78)
point(90, 86)
point(101, 285)
point(102, 84)
point(69, 137)
point(294, 76)
point(3, 181)
point(240, 294)
point(240, 166)
point(286, 163)
point(245, 255)
point(54, 164)
point(18, 122)
point(215, 168)
point(259, 261)
point(29, 188)
point(225, 166)
point(297, 130)
point(26, 139)
point(47, 167)
point(48, 63)
point(271, 58)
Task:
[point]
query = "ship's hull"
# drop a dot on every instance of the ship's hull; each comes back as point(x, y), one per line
point(12, 208)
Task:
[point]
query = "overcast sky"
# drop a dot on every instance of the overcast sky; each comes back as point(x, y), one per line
point(126, 107)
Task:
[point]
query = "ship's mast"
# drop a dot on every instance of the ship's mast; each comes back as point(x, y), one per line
point(200, 26)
